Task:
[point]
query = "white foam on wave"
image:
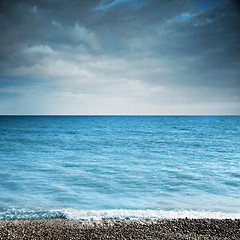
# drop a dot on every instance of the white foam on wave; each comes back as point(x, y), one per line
point(145, 214)
point(113, 214)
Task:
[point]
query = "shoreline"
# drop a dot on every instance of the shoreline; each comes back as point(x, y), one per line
point(60, 228)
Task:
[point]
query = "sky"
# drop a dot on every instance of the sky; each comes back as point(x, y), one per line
point(119, 57)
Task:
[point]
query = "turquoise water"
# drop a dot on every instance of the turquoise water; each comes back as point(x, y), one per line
point(119, 166)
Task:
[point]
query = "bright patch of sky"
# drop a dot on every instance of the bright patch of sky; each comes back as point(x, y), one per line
point(39, 49)
point(183, 17)
point(56, 24)
point(105, 5)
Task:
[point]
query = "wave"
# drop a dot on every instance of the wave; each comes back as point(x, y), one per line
point(75, 214)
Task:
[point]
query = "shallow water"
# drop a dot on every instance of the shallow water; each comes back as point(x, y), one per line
point(112, 166)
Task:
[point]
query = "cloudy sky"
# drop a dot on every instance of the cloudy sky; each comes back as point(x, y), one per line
point(119, 57)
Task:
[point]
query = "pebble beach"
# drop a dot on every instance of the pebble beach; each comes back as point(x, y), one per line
point(120, 229)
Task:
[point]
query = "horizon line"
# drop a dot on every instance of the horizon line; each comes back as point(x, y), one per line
point(113, 115)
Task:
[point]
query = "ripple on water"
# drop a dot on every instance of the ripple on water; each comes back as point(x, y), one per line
point(232, 183)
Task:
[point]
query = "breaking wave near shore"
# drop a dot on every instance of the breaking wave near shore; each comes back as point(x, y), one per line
point(74, 214)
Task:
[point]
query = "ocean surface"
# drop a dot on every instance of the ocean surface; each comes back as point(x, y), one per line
point(93, 167)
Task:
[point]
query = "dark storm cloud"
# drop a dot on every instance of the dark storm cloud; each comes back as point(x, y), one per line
point(47, 22)
point(91, 45)
point(26, 23)
point(204, 45)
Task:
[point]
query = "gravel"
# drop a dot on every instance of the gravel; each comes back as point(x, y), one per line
point(120, 229)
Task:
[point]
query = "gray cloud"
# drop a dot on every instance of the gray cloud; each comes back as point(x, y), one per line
point(143, 58)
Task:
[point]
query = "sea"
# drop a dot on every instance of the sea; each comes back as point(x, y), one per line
point(121, 167)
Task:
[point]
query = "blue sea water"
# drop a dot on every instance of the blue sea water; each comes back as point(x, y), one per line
point(93, 167)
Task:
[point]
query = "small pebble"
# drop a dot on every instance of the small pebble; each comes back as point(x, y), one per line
point(120, 229)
